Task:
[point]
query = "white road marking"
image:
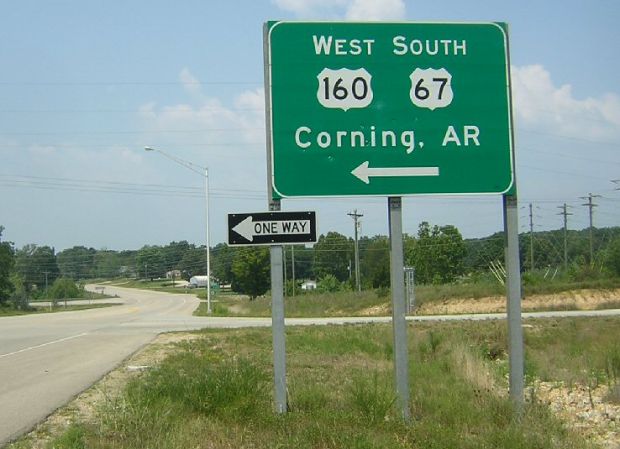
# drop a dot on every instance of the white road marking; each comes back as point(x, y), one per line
point(43, 344)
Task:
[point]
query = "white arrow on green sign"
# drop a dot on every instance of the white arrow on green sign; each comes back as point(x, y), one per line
point(364, 172)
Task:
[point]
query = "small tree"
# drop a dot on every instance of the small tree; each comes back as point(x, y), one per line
point(438, 254)
point(328, 284)
point(375, 262)
point(7, 260)
point(64, 288)
point(332, 255)
point(37, 266)
point(19, 298)
point(612, 258)
point(250, 270)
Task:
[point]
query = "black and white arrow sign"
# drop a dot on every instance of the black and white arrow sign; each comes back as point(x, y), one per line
point(271, 228)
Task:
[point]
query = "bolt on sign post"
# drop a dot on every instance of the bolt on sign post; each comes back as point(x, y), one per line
point(391, 110)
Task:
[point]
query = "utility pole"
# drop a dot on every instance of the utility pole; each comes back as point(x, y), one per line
point(590, 204)
point(565, 213)
point(356, 218)
point(51, 302)
point(531, 239)
point(293, 267)
point(284, 263)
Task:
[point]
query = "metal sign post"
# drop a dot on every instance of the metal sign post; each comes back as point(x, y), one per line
point(399, 322)
point(513, 291)
point(277, 325)
point(277, 281)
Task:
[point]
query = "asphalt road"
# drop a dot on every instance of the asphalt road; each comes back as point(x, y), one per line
point(46, 360)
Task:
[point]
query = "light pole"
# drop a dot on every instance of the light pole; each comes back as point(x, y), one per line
point(204, 172)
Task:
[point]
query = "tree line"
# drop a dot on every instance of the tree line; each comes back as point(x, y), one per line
point(439, 254)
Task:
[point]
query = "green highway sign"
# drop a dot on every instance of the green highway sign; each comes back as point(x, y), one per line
point(388, 109)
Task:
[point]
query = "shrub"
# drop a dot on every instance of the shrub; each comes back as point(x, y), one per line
point(64, 288)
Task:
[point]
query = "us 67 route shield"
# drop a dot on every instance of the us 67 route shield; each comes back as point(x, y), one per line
point(388, 109)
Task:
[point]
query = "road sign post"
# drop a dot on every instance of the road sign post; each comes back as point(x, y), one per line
point(391, 109)
point(277, 324)
point(399, 311)
point(513, 292)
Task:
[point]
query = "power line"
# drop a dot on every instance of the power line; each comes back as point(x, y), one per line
point(590, 205)
point(531, 239)
point(565, 213)
point(356, 225)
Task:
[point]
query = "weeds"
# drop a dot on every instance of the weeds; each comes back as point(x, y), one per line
point(72, 438)
point(206, 397)
point(372, 397)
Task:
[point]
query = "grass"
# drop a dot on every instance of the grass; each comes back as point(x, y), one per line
point(574, 351)
point(9, 311)
point(374, 303)
point(314, 305)
point(86, 295)
point(160, 285)
point(215, 391)
point(377, 303)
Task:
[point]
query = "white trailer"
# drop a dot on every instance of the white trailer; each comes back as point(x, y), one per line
point(198, 281)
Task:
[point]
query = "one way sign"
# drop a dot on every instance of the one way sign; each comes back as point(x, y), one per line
point(271, 228)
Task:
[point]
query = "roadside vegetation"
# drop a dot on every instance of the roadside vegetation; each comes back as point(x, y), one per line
point(378, 302)
point(216, 391)
point(447, 267)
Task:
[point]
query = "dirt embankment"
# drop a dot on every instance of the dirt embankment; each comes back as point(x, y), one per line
point(570, 300)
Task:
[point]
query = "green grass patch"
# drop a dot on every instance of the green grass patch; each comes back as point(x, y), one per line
point(9, 311)
point(160, 285)
point(216, 391)
point(304, 305)
point(378, 303)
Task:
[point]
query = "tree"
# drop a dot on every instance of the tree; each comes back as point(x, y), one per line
point(375, 261)
point(106, 264)
point(7, 261)
point(251, 271)
point(481, 252)
point(150, 261)
point(63, 288)
point(613, 256)
point(173, 254)
point(303, 262)
point(221, 262)
point(194, 262)
point(37, 266)
point(333, 254)
point(328, 284)
point(77, 262)
point(438, 254)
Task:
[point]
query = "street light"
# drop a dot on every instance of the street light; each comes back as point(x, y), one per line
point(204, 172)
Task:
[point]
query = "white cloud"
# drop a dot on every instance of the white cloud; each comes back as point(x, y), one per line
point(228, 137)
point(349, 9)
point(190, 83)
point(376, 10)
point(541, 104)
point(311, 8)
point(42, 150)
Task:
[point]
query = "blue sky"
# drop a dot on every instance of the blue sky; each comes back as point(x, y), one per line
point(84, 86)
